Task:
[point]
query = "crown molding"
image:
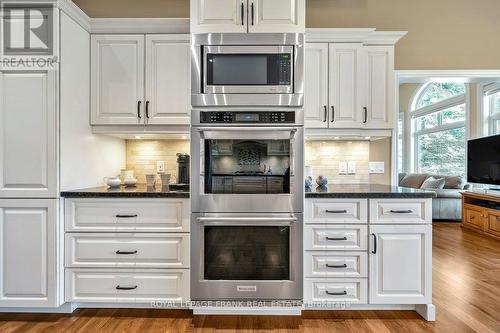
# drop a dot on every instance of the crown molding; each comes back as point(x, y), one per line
point(367, 36)
point(73, 11)
point(139, 25)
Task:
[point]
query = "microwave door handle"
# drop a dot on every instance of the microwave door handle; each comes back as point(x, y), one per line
point(247, 219)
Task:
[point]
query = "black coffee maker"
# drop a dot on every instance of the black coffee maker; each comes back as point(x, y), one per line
point(183, 168)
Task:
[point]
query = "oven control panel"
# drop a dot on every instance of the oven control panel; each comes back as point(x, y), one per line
point(248, 117)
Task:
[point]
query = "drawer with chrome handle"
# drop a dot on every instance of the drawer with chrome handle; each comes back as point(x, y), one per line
point(318, 210)
point(127, 286)
point(336, 290)
point(335, 264)
point(400, 211)
point(335, 237)
point(127, 250)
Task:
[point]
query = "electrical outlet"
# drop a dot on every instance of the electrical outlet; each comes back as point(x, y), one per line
point(342, 168)
point(160, 166)
point(351, 167)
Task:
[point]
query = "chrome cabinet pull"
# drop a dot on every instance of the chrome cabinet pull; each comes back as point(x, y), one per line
point(336, 266)
point(374, 244)
point(121, 216)
point(139, 109)
point(409, 211)
point(336, 211)
point(126, 252)
point(336, 294)
point(126, 288)
point(336, 238)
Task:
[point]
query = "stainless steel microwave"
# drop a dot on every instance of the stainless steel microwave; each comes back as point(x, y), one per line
point(247, 69)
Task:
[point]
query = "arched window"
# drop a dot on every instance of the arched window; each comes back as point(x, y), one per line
point(438, 113)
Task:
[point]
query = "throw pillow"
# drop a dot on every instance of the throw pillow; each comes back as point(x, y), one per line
point(433, 183)
point(414, 180)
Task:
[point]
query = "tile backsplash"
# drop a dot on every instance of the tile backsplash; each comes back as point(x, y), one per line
point(142, 156)
point(324, 158)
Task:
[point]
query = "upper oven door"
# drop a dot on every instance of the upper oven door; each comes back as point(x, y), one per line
point(247, 169)
point(248, 69)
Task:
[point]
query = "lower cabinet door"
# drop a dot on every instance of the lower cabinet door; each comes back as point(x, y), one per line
point(352, 291)
point(126, 286)
point(28, 253)
point(400, 264)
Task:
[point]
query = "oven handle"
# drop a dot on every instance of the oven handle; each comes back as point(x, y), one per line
point(246, 219)
point(292, 130)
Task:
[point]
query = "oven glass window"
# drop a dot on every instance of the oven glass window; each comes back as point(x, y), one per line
point(248, 69)
point(247, 166)
point(247, 253)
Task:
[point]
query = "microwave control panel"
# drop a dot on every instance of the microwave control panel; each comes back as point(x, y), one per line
point(215, 117)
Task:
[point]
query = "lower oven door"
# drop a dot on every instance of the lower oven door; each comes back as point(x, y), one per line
point(247, 169)
point(240, 256)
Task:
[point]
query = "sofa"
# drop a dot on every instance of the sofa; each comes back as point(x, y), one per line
point(448, 202)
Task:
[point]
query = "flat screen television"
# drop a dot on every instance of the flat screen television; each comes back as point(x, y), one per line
point(483, 160)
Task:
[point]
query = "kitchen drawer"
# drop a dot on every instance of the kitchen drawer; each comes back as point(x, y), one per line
point(127, 250)
point(140, 215)
point(336, 211)
point(127, 286)
point(400, 211)
point(353, 291)
point(335, 264)
point(335, 237)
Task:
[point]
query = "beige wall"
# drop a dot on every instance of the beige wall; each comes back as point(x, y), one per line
point(442, 34)
point(380, 151)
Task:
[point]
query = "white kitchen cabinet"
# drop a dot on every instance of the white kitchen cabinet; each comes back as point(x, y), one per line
point(168, 100)
point(400, 264)
point(28, 134)
point(28, 255)
point(346, 85)
point(316, 106)
point(117, 79)
point(278, 16)
point(140, 80)
point(241, 16)
point(379, 87)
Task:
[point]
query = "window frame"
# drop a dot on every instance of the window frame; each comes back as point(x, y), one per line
point(488, 126)
point(415, 113)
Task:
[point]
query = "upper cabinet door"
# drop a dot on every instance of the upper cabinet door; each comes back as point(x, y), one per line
point(400, 264)
point(28, 134)
point(117, 79)
point(219, 16)
point(276, 16)
point(316, 85)
point(345, 84)
point(379, 85)
point(167, 79)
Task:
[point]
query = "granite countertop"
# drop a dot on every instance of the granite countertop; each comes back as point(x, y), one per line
point(367, 191)
point(138, 191)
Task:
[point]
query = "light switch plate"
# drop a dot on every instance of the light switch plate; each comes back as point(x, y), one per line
point(342, 168)
point(160, 166)
point(351, 167)
point(376, 167)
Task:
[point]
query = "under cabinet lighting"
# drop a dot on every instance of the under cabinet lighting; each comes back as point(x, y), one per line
point(137, 137)
point(184, 137)
point(367, 138)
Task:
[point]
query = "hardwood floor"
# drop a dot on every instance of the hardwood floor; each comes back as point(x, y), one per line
point(466, 280)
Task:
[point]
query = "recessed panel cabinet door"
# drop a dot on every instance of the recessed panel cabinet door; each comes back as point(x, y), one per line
point(167, 79)
point(316, 85)
point(117, 79)
point(400, 264)
point(28, 134)
point(276, 16)
point(218, 16)
point(28, 253)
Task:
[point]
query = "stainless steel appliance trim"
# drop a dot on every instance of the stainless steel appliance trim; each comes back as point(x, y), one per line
point(247, 219)
point(299, 117)
point(247, 39)
point(230, 100)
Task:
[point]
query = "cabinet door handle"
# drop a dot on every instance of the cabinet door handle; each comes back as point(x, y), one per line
point(336, 266)
point(242, 13)
point(121, 216)
point(139, 109)
point(365, 119)
point(126, 252)
point(336, 211)
point(374, 244)
point(336, 294)
point(253, 11)
point(147, 109)
point(325, 114)
point(409, 211)
point(333, 114)
point(336, 238)
point(125, 288)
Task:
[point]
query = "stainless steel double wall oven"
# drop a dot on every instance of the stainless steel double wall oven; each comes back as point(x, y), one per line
point(247, 148)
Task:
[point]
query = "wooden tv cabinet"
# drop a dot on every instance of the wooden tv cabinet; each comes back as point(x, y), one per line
point(477, 216)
